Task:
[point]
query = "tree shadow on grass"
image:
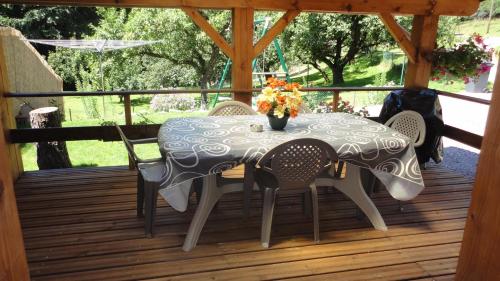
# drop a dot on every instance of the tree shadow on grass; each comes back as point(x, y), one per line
point(142, 100)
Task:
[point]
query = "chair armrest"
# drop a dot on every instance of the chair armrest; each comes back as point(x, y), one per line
point(143, 141)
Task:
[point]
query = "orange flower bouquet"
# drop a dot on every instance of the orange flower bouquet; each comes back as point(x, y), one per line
point(279, 100)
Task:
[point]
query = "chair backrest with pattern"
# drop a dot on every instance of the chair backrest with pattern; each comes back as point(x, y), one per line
point(229, 108)
point(409, 123)
point(297, 163)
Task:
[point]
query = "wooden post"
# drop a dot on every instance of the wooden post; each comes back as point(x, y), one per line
point(480, 254)
point(7, 118)
point(128, 121)
point(13, 264)
point(127, 109)
point(241, 70)
point(423, 37)
point(336, 99)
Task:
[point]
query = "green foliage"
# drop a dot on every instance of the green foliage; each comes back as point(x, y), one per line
point(467, 60)
point(107, 123)
point(183, 57)
point(144, 119)
point(479, 26)
point(40, 22)
point(484, 9)
point(91, 107)
point(268, 61)
point(447, 28)
point(334, 40)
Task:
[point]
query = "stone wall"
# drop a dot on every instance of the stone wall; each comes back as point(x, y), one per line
point(28, 72)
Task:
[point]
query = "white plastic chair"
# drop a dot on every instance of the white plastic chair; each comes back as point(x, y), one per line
point(211, 188)
point(238, 173)
point(409, 123)
point(292, 165)
point(351, 185)
point(149, 175)
point(229, 108)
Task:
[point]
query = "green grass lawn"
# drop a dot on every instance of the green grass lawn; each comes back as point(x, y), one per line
point(479, 26)
point(374, 70)
point(371, 70)
point(98, 153)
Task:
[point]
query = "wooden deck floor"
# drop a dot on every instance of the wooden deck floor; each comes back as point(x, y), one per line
point(80, 224)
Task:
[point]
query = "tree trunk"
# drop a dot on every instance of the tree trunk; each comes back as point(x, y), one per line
point(338, 74)
point(50, 155)
point(204, 96)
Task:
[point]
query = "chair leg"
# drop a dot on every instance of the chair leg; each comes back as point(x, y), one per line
point(248, 183)
point(267, 216)
point(315, 207)
point(368, 181)
point(140, 195)
point(306, 200)
point(198, 187)
point(377, 185)
point(151, 192)
point(352, 187)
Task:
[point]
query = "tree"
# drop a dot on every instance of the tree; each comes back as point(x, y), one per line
point(38, 22)
point(334, 40)
point(183, 43)
point(447, 29)
point(123, 69)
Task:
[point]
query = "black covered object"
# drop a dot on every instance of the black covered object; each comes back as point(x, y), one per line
point(425, 102)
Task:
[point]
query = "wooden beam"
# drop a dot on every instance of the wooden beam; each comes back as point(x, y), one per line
point(399, 7)
point(423, 37)
point(104, 133)
point(7, 116)
point(480, 253)
point(274, 31)
point(202, 23)
point(241, 69)
point(463, 136)
point(400, 35)
point(13, 263)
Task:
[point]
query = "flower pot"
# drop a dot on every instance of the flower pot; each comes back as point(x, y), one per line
point(479, 84)
point(277, 123)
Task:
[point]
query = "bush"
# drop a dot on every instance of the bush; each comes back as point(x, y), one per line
point(166, 103)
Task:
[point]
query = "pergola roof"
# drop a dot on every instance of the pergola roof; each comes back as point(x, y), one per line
point(411, 7)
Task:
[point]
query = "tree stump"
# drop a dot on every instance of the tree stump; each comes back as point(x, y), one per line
point(54, 154)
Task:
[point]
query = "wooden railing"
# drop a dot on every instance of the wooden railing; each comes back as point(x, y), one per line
point(107, 133)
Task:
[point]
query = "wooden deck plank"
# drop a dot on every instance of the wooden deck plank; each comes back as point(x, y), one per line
point(326, 257)
point(249, 246)
point(334, 220)
point(80, 224)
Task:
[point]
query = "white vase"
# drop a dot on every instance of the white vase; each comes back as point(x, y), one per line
point(479, 84)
